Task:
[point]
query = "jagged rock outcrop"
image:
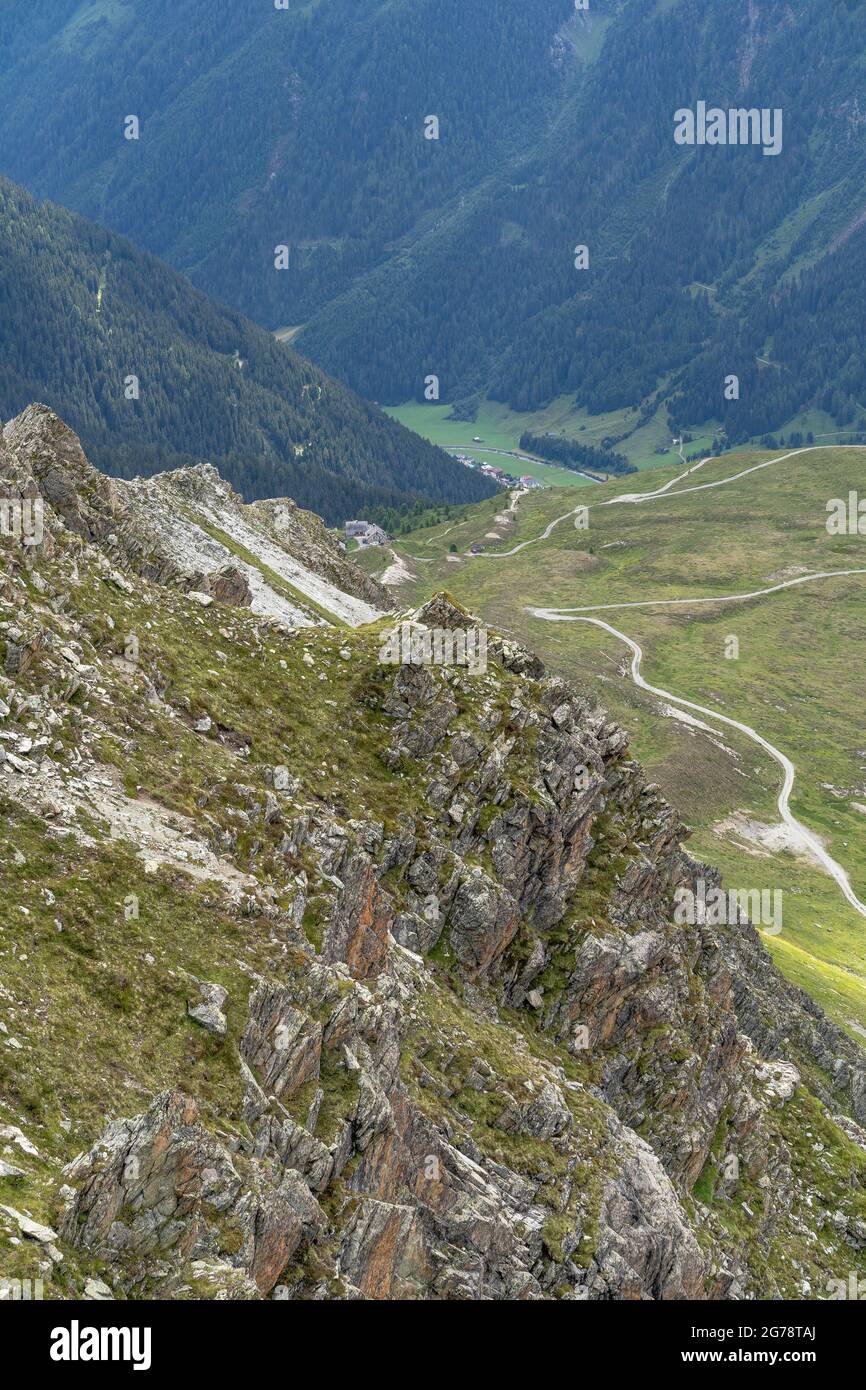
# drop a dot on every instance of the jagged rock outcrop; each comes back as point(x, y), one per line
point(424, 1216)
point(387, 959)
point(781, 1019)
point(162, 528)
point(159, 1193)
point(83, 499)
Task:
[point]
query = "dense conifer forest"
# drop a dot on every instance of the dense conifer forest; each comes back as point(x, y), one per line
point(458, 255)
point(571, 453)
point(152, 374)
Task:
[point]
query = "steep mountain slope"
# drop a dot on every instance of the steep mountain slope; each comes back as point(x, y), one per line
point(153, 374)
point(741, 601)
point(456, 256)
point(687, 244)
point(303, 126)
point(190, 530)
point(811, 328)
point(326, 978)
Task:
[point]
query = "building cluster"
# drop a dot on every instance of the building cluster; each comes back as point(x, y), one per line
point(499, 475)
point(365, 533)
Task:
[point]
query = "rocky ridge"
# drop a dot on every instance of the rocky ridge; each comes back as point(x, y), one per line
point(322, 977)
point(190, 529)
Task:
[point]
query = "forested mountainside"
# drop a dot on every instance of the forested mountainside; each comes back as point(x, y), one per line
point(347, 979)
point(812, 326)
point(301, 126)
point(153, 374)
point(687, 246)
point(455, 256)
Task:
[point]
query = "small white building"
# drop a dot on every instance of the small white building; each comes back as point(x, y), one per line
point(365, 533)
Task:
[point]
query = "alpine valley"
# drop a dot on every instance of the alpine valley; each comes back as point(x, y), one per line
point(432, 572)
point(329, 979)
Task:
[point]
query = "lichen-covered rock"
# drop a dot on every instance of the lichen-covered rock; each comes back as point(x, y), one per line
point(228, 585)
point(646, 1248)
point(143, 1185)
point(460, 1048)
point(359, 928)
point(162, 1197)
point(281, 1044)
point(382, 1253)
point(209, 1013)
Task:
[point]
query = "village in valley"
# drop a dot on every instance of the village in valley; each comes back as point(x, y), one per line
point(499, 475)
point(365, 534)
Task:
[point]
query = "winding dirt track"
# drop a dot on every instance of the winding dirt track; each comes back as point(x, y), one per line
point(806, 840)
point(634, 498)
point(799, 832)
point(611, 502)
point(552, 614)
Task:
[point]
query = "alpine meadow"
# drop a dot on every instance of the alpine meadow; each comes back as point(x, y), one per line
point(432, 697)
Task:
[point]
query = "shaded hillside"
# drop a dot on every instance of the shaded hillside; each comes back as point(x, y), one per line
point(456, 256)
point(687, 246)
point(304, 126)
point(82, 312)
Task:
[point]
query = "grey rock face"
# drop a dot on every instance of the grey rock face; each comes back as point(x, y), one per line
point(646, 1248)
point(160, 1193)
point(468, 1054)
point(209, 1012)
point(382, 1254)
point(144, 1183)
point(782, 1020)
point(281, 1045)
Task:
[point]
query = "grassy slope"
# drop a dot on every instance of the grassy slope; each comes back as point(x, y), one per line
point(98, 1002)
point(797, 679)
point(78, 980)
point(501, 428)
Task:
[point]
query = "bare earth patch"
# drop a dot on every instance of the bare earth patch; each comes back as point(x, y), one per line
point(398, 572)
point(759, 839)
